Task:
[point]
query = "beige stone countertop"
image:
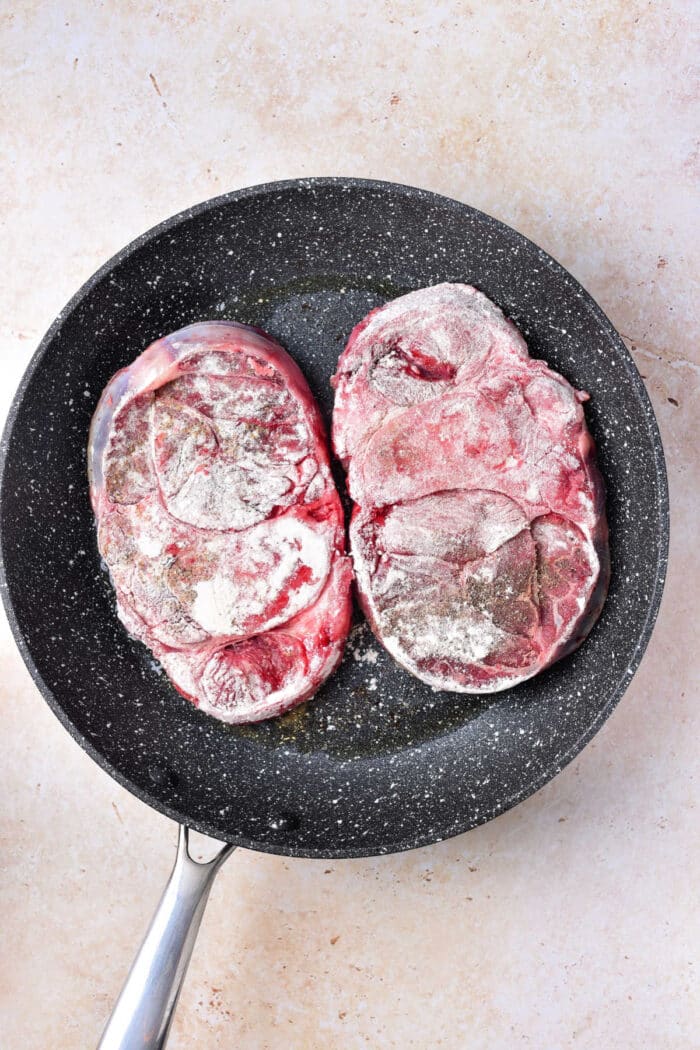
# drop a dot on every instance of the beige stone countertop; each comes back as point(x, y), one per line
point(572, 920)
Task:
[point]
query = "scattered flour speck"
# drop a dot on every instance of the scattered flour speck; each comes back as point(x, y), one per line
point(369, 656)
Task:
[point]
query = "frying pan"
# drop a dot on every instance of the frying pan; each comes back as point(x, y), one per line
point(376, 762)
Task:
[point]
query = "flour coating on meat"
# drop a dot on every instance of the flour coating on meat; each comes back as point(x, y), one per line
point(219, 520)
point(478, 536)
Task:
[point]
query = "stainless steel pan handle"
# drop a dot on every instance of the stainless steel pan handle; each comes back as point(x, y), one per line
point(144, 1010)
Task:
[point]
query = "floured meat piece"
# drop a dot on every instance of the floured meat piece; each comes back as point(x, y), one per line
point(411, 351)
point(219, 520)
point(479, 535)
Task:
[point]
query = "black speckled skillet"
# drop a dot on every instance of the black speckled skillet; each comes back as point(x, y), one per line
point(377, 762)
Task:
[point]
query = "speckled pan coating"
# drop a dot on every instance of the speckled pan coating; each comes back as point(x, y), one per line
point(378, 761)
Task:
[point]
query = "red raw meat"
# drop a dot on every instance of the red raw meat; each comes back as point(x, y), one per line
point(478, 535)
point(219, 520)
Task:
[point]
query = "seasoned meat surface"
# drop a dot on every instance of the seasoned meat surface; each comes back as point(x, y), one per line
point(219, 520)
point(478, 535)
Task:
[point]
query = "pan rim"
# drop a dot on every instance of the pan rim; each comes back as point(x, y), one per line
point(662, 514)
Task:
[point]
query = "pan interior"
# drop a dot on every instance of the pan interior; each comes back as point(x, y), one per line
point(377, 760)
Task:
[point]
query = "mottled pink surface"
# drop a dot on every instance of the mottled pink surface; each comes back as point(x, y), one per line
point(219, 520)
point(479, 535)
point(457, 944)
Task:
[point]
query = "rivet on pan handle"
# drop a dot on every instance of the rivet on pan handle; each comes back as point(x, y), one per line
point(144, 1010)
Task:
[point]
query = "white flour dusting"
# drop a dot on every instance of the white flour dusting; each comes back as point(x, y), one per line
point(256, 571)
point(457, 444)
point(204, 462)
